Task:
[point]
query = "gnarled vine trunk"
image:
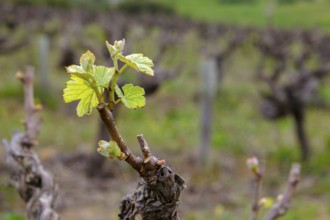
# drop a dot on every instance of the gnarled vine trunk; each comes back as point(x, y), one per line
point(159, 189)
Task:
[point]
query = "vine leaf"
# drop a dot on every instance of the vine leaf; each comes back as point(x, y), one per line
point(132, 96)
point(86, 83)
point(109, 149)
point(87, 60)
point(138, 62)
point(103, 75)
point(75, 69)
point(78, 88)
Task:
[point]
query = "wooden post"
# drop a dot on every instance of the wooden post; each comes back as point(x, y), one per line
point(208, 75)
point(269, 12)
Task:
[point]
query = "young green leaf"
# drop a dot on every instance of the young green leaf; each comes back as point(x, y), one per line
point(87, 83)
point(103, 75)
point(78, 88)
point(120, 44)
point(79, 72)
point(132, 96)
point(138, 62)
point(75, 69)
point(109, 149)
point(116, 48)
point(87, 60)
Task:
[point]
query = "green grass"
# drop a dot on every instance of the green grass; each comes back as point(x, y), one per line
point(314, 14)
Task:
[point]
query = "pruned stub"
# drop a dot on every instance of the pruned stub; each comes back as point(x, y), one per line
point(153, 200)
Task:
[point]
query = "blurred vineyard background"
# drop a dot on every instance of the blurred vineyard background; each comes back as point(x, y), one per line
point(185, 38)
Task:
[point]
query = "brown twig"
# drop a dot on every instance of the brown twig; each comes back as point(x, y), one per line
point(32, 121)
point(109, 121)
point(256, 206)
point(253, 165)
point(144, 147)
point(283, 203)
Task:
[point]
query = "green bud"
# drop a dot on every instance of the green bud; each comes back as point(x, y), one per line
point(109, 149)
point(253, 164)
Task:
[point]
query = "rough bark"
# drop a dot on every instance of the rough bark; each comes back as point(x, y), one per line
point(156, 197)
point(35, 185)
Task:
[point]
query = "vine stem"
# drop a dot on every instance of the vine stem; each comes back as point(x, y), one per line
point(123, 69)
point(115, 63)
point(158, 192)
point(112, 89)
point(32, 122)
point(256, 206)
point(100, 97)
point(113, 83)
point(253, 164)
point(283, 203)
point(107, 117)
